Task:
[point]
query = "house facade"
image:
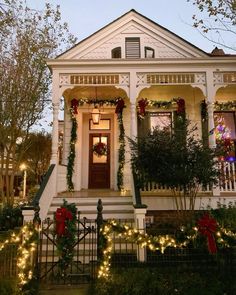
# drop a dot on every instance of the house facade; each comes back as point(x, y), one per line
point(133, 73)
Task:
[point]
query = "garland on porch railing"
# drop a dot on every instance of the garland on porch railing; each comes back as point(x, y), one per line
point(120, 105)
point(160, 104)
point(206, 226)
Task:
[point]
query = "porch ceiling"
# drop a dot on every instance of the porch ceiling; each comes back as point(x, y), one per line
point(226, 93)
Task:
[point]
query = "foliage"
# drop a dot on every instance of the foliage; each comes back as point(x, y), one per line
point(66, 241)
point(121, 157)
point(36, 155)
point(225, 215)
point(71, 157)
point(27, 39)
point(10, 217)
point(221, 19)
point(7, 287)
point(176, 160)
point(153, 281)
point(100, 149)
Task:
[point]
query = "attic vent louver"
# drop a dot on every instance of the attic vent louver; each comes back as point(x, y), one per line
point(132, 47)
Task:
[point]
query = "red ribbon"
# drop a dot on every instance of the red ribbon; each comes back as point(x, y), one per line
point(142, 104)
point(207, 227)
point(180, 106)
point(74, 105)
point(61, 216)
point(120, 105)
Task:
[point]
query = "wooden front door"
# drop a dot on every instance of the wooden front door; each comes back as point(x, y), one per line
point(99, 166)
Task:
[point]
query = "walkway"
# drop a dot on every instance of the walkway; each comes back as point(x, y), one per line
point(81, 290)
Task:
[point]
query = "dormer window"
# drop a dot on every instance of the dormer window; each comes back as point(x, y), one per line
point(149, 52)
point(116, 52)
point(132, 47)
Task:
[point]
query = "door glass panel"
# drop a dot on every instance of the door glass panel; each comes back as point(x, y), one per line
point(99, 159)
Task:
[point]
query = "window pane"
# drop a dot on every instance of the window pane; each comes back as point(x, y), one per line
point(160, 120)
point(224, 125)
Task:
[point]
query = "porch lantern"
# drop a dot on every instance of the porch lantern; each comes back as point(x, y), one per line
point(96, 115)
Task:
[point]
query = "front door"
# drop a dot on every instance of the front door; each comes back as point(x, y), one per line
point(99, 164)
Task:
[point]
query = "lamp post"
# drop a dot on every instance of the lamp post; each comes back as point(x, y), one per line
point(23, 168)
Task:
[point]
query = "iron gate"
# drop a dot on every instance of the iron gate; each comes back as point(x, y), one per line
point(84, 265)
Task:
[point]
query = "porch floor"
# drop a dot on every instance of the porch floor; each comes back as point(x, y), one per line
point(94, 193)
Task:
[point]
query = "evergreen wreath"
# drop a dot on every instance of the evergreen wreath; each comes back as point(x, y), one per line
point(66, 232)
point(100, 149)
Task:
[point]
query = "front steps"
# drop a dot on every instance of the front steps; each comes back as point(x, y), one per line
point(115, 206)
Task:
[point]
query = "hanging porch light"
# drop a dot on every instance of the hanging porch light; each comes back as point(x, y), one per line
point(96, 115)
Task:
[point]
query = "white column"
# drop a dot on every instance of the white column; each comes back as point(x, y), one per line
point(210, 92)
point(55, 134)
point(133, 118)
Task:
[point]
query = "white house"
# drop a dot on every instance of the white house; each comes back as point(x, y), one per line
point(131, 59)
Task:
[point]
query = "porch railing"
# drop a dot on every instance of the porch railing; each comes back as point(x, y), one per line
point(226, 183)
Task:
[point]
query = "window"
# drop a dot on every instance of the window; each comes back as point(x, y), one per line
point(149, 52)
point(225, 125)
point(161, 120)
point(132, 47)
point(116, 52)
point(225, 134)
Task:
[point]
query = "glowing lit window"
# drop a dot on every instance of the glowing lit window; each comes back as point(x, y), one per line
point(160, 120)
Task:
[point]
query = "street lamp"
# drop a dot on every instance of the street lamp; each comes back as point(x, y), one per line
point(23, 168)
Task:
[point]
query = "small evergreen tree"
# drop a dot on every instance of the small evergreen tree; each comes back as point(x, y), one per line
point(176, 160)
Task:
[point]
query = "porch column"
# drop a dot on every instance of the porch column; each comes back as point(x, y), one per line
point(133, 118)
point(55, 131)
point(210, 93)
point(133, 121)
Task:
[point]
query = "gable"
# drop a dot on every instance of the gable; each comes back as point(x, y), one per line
point(164, 43)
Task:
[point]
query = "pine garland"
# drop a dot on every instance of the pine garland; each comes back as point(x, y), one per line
point(71, 157)
point(160, 104)
point(225, 106)
point(121, 158)
point(66, 241)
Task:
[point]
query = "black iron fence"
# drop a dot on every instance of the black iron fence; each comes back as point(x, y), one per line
point(82, 268)
point(8, 257)
point(88, 249)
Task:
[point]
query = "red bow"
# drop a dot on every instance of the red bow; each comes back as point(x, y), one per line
point(142, 106)
point(120, 105)
point(181, 106)
point(74, 105)
point(61, 216)
point(207, 227)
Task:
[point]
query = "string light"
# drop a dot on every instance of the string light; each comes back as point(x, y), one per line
point(154, 243)
point(24, 252)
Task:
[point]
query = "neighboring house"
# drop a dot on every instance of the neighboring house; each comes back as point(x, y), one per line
point(134, 58)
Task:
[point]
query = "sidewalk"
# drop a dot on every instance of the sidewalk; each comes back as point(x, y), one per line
point(80, 290)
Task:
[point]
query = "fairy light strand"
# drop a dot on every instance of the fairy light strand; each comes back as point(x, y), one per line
point(154, 243)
